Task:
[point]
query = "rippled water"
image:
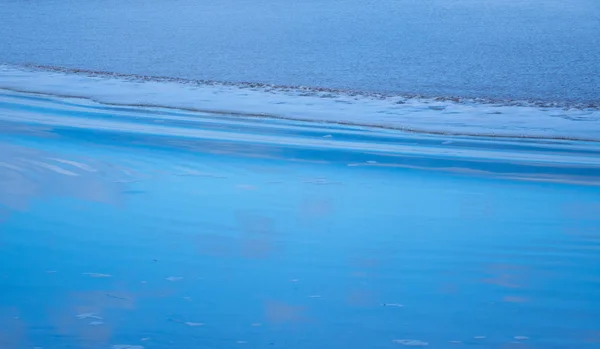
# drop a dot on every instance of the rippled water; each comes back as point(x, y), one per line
point(528, 49)
point(138, 227)
point(139, 212)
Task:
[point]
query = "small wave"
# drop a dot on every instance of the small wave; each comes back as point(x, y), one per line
point(87, 123)
point(323, 92)
point(440, 115)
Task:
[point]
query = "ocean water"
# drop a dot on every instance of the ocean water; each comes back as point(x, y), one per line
point(129, 226)
point(343, 197)
point(546, 50)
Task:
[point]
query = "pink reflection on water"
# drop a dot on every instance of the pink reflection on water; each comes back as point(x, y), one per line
point(280, 312)
point(13, 328)
point(257, 234)
point(316, 208)
point(68, 324)
point(362, 298)
point(257, 248)
point(508, 275)
point(28, 173)
point(515, 299)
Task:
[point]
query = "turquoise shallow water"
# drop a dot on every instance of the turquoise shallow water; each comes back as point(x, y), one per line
point(130, 227)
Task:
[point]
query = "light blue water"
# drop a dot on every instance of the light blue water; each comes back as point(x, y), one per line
point(130, 227)
point(118, 231)
point(546, 50)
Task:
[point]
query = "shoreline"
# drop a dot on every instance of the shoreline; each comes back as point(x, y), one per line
point(399, 96)
point(427, 116)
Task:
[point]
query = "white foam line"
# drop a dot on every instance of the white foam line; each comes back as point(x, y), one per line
point(416, 114)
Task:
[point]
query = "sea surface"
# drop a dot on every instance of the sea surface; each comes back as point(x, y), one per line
point(332, 174)
point(543, 50)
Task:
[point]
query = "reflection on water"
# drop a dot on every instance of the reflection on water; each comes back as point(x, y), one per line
point(113, 236)
point(28, 173)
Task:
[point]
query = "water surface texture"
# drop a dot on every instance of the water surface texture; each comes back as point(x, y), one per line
point(545, 50)
point(341, 198)
point(129, 227)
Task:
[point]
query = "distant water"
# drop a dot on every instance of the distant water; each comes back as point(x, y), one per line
point(545, 50)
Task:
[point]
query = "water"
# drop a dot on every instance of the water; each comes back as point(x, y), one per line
point(421, 115)
point(162, 228)
point(139, 212)
point(535, 49)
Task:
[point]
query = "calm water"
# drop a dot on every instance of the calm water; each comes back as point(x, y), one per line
point(143, 227)
point(531, 49)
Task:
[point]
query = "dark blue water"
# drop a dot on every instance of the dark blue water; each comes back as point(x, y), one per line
point(545, 50)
